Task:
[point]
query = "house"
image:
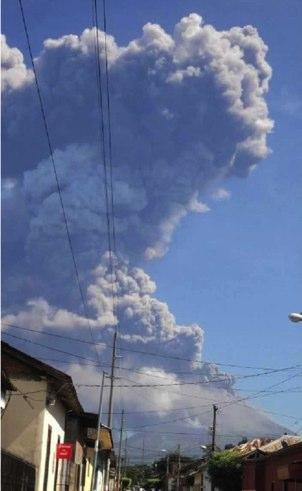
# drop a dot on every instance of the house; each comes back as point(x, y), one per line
point(194, 477)
point(88, 425)
point(191, 476)
point(42, 413)
point(34, 420)
point(275, 466)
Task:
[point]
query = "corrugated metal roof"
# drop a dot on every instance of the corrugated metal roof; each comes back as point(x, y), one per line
point(266, 445)
point(282, 442)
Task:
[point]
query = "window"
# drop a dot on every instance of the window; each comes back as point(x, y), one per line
point(46, 470)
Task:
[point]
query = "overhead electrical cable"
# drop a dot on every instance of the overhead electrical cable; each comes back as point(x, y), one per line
point(109, 129)
point(131, 350)
point(108, 184)
point(138, 385)
point(264, 391)
point(133, 385)
point(51, 154)
point(201, 382)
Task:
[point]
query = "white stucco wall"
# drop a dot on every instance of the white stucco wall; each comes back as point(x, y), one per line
point(53, 416)
point(89, 469)
point(25, 428)
point(22, 420)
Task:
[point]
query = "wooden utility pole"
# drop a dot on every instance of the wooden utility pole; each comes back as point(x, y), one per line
point(215, 409)
point(125, 457)
point(119, 462)
point(213, 445)
point(167, 472)
point(113, 360)
point(143, 461)
point(97, 440)
point(178, 469)
point(110, 405)
point(143, 452)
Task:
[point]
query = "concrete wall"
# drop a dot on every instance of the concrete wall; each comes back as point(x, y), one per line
point(89, 469)
point(22, 421)
point(25, 428)
point(53, 416)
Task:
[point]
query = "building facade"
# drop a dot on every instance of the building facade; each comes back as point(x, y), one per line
point(41, 412)
point(279, 470)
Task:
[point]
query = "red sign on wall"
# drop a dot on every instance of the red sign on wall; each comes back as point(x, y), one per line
point(64, 451)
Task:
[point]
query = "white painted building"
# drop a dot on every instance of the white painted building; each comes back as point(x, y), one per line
point(33, 422)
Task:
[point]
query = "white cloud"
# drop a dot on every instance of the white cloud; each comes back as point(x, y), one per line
point(200, 117)
point(221, 194)
point(39, 314)
point(188, 109)
point(141, 317)
point(235, 419)
point(14, 74)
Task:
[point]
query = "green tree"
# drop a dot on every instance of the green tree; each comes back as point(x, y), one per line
point(225, 470)
point(126, 482)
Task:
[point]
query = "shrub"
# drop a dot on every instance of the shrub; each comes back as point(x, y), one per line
point(225, 470)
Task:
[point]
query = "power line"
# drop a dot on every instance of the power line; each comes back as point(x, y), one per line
point(47, 333)
point(192, 416)
point(51, 153)
point(281, 414)
point(131, 369)
point(48, 347)
point(102, 134)
point(137, 385)
point(158, 388)
point(108, 198)
point(261, 393)
point(109, 127)
point(131, 350)
point(202, 382)
point(104, 364)
point(264, 391)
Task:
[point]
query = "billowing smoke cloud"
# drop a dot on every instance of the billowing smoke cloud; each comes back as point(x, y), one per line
point(145, 325)
point(175, 411)
point(14, 73)
point(140, 316)
point(188, 110)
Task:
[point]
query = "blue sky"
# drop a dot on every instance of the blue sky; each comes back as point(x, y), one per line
point(237, 269)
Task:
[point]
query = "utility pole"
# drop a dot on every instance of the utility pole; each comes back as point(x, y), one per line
point(143, 451)
point(110, 408)
point(98, 431)
point(143, 460)
point(178, 469)
point(167, 472)
point(119, 462)
point(110, 405)
point(215, 409)
point(125, 456)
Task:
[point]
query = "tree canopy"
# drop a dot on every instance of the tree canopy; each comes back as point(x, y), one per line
point(225, 470)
